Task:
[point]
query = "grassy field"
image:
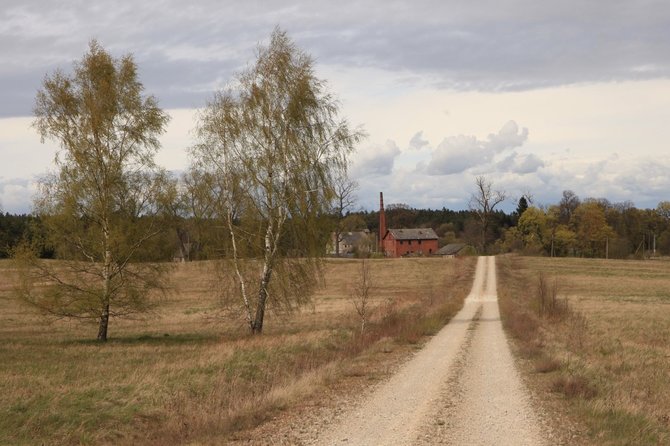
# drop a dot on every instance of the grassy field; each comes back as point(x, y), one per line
point(185, 375)
point(606, 356)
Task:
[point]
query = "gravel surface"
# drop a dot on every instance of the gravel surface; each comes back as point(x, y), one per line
point(462, 388)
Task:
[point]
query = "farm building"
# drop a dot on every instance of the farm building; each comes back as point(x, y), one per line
point(404, 242)
point(410, 242)
point(452, 250)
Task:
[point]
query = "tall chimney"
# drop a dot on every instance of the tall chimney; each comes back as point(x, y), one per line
point(382, 222)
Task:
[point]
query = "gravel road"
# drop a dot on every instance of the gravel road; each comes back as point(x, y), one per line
point(462, 388)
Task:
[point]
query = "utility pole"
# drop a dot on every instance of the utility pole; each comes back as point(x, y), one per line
point(654, 244)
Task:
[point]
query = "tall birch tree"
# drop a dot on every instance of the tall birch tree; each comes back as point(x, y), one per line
point(273, 141)
point(97, 204)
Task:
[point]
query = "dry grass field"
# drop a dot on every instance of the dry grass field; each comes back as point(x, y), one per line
point(185, 375)
point(606, 357)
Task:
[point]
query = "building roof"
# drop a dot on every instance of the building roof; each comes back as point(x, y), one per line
point(413, 234)
point(351, 238)
point(450, 249)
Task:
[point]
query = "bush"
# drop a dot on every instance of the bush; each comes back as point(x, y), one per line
point(548, 303)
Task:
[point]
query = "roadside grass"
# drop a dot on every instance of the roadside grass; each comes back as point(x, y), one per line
point(187, 375)
point(607, 355)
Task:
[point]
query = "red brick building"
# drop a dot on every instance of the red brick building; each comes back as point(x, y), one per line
point(410, 242)
point(404, 242)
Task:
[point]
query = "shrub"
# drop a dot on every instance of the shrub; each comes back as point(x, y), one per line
point(548, 303)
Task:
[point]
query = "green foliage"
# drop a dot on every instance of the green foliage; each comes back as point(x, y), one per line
point(591, 228)
point(663, 209)
point(17, 229)
point(533, 226)
point(521, 206)
point(564, 240)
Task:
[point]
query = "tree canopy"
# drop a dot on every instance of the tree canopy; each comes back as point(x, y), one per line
point(95, 206)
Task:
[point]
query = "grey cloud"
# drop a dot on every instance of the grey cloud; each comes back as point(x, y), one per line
point(417, 141)
point(647, 181)
point(20, 98)
point(183, 54)
point(520, 164)
point(528, 164)
point(516, 45)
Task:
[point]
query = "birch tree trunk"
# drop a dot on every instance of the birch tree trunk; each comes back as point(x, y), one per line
point(107, 279)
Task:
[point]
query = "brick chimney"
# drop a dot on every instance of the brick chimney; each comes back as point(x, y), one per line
point(382, 222)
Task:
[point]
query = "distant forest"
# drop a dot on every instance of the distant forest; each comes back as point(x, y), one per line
point(573, 227)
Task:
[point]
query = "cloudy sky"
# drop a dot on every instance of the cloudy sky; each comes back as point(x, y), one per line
point(537, 96)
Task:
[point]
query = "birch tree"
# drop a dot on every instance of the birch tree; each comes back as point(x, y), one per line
point(273, 141)
point(97, 204)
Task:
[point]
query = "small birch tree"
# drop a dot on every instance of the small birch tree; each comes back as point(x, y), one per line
point(361, 294)
point(273, 142)
point(97, 206)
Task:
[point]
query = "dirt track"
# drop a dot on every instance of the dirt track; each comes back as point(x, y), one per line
point(462, 388)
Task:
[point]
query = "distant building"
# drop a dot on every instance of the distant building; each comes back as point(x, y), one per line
point(451, 250)
point(404, 242)
point(351, 243)
point(410, 242)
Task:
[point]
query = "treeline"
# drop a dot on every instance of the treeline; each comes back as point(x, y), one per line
point(593, 227)
point(22, 227)
point(573, 227)
point(189, 238)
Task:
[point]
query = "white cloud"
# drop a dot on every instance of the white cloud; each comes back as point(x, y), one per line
point(508, 137)
point(457, 154)
point(16, 195)
point(520, 164)
point(376, 160)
